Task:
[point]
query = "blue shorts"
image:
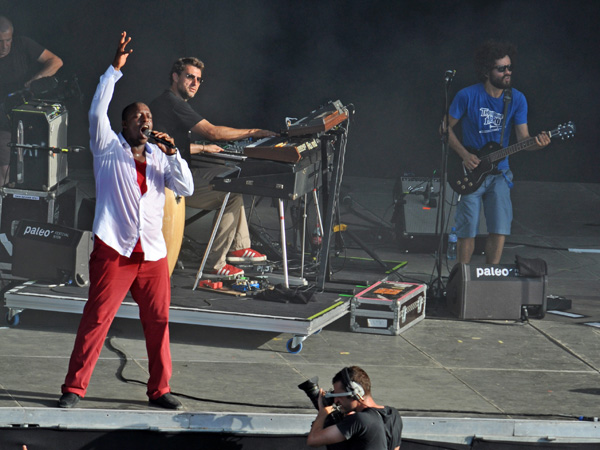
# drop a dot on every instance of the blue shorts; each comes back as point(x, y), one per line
point(497, 207)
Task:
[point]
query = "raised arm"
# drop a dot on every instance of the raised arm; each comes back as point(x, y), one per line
point(122, 53)
point(100, 129)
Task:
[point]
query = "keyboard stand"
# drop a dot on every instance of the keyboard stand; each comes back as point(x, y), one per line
point(214, 233)
point(212, 239)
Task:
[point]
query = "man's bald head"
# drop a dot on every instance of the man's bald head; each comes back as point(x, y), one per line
point(5, 25)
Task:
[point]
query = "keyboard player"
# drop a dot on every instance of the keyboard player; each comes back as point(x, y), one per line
point(173, 115)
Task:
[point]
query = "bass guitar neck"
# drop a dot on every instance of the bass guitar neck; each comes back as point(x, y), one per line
point(464, 181)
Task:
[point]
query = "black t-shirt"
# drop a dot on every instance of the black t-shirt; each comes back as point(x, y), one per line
point(175, 117)
point(372, 429)
point(19, 65)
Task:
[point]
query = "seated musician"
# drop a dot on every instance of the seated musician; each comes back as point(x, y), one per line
point(173, 115)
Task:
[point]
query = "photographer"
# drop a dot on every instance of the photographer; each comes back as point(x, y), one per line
point(364, 424)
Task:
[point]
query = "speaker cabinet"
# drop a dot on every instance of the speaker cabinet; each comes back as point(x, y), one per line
point(39, 126)
point(494, 291)
point(51, 253)
point(417, 204)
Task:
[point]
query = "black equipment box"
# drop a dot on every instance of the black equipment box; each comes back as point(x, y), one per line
point(57, 206)
point(388, 307)
point(46, 252)
point(494, 291)
point(38, 130)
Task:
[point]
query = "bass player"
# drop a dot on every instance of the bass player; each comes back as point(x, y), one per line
point(487, 113)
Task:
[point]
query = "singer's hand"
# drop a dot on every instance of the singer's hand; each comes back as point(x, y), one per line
point(166, 150)
point(122, 53)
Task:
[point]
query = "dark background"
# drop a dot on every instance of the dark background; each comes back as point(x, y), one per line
point(266, 60)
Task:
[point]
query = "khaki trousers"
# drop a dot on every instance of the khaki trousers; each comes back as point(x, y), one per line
point(232, 233)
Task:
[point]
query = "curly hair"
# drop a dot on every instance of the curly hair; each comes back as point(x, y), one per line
point(180, 64)
point(487, 54)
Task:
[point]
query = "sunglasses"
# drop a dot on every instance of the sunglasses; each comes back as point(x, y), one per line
point(189, 76)
point(503, 69)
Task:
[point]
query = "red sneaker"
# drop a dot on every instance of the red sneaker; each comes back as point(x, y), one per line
point(245, 255)
point(227, 271)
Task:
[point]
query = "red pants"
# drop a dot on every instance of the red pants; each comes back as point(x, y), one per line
point(111, 277)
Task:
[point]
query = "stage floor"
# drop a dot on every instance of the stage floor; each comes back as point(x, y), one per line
point(464, 371)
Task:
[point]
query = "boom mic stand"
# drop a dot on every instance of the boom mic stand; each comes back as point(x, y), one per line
point(437, 285)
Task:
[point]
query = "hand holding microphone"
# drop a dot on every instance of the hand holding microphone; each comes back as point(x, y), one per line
point(162, 138)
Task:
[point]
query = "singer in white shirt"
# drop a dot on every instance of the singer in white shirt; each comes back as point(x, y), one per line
point(129, 249)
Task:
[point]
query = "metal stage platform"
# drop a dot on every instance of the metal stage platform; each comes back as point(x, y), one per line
point(195, 307)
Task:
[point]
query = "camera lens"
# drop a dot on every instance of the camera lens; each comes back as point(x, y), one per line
point(311, 388)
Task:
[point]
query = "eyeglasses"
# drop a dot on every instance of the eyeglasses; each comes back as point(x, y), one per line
point(189, 76)
point(503, 69)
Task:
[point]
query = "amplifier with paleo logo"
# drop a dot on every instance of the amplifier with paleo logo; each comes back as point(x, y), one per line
point(494, 291)
point(51, 253)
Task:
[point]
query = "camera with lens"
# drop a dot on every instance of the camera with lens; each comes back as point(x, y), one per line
point(313, 391)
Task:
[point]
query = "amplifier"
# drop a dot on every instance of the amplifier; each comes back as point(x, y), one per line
point(47, 252)
point(418, 202)
point(56, 206)
point(494, 291)
point(39, 125)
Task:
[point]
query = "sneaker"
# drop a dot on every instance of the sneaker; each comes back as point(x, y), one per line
point(227, 271)
point(246, 255)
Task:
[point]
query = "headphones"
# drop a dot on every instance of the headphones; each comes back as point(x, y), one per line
point(354, 389)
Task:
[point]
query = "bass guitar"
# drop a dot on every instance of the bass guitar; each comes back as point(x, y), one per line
point(464, 181)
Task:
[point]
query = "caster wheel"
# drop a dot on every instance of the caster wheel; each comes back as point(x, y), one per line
point(12, 322)
point(293, 350)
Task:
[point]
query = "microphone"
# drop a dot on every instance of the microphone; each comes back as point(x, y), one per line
point(449, 75)
point(150, 133)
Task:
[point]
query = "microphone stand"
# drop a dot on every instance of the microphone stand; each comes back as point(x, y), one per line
point(437, 285)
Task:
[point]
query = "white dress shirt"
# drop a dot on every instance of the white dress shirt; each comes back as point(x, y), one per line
point(123, 215)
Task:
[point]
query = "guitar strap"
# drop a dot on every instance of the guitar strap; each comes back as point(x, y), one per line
point(507, 100)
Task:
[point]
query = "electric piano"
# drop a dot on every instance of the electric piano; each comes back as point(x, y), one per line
point(308, 154)
point(318, 121)
point(251, 175)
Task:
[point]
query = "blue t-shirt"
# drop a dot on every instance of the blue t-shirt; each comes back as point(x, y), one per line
point(481, 116)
